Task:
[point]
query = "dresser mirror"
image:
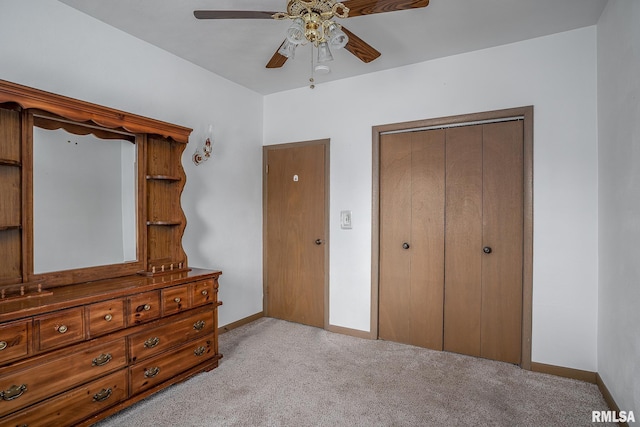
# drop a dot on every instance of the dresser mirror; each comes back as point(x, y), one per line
point(84, 196)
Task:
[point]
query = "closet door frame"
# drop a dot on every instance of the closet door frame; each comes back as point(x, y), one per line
point(524, 113)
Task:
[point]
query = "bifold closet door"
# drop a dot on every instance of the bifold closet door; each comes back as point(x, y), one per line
point(412, 238)
point(463, 241)
point(483, 241)
point(502, 228)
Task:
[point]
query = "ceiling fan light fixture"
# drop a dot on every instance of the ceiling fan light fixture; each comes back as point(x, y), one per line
point(288, 49)
point(322, 69)
point(296, 32)
point(337, 38)
point(312, 24)
point(324, 54)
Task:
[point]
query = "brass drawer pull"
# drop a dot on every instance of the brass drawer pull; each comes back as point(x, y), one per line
point(102, 395)
point(3, 345)
point(152, 342)
point(199, 325)
point(14, 392)
point(145, 307)
point(151, 372)
point(62, 329)
point(200, 350)
point(108, 317)
point(204, 292)
point(102, 360)
point(177, 299)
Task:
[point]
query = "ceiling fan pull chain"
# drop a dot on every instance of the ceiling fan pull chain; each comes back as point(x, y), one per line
point(311, 79)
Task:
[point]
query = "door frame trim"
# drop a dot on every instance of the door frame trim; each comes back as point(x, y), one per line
point(527, 266)
point(265, 149)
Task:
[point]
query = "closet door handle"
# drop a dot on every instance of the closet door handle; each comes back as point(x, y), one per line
point(405, 245)
point(486, 250)
point(318, 241)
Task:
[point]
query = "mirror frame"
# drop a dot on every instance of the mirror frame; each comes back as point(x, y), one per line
point(34, 101)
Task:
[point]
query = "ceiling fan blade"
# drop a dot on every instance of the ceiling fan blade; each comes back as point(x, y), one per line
point(361, 49)
point(369, 7)
point(232, 14)
point(277, 60)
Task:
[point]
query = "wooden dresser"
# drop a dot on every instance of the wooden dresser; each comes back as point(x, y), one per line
point(89, 350)
point(80, 337)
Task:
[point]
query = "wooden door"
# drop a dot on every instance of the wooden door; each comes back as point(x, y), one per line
point(484, 241)
point(463, 241)
point(412, 238)
point(394, 322)
point(502, 230)
point(296, 232)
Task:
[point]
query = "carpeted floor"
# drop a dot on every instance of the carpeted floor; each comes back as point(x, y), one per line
point(276, 373)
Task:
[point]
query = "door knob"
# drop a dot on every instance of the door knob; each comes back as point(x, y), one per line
point(486, 250)
point(405, 245)
point(318, 241)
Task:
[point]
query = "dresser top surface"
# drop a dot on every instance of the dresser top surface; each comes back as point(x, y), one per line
point(99, 290)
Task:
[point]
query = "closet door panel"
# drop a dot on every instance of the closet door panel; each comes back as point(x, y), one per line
point(463, 240)
point(395, 219)
point(503, 233)
point(427, 238)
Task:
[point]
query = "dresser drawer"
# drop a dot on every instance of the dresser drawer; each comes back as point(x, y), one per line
point(59, 328)
point(107, 316)
point(14, 341)
point(56, 373)
point(180, 330)
point(203, 292)
point(156, 370)
point(175, 299)
point(75, 405)
point(143, 308)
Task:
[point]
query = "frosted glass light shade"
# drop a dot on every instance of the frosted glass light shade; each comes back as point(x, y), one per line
point(295, 33)
point(324, 54)
point(287, 49)
point(337, 38)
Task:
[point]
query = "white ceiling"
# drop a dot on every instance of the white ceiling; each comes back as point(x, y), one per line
point(239, 49)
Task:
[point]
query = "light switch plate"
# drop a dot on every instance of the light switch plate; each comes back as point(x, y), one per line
point(345, 219)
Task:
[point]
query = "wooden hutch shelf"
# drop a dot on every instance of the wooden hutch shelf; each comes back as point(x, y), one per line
point(10, 227)
point(164, 178)
point(164, 223)
point(7, 162)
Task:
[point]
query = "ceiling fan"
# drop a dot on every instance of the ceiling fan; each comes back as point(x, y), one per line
point(313, 22)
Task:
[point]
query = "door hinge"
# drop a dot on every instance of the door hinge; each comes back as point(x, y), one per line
point(266, 169)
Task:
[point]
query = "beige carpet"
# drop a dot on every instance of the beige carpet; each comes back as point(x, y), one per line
point(276, 373)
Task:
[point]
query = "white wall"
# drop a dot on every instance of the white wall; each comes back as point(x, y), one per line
point(555, 74)
point(619, 204)
point(50, 46)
